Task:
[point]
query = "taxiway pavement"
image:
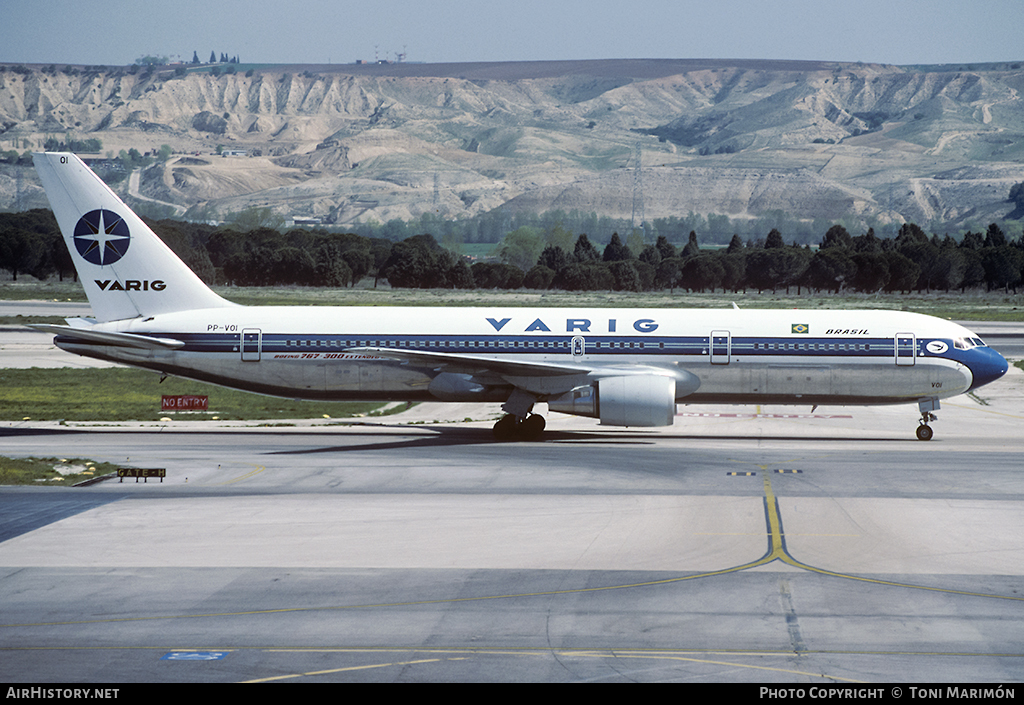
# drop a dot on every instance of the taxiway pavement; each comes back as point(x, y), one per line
point(742, 544)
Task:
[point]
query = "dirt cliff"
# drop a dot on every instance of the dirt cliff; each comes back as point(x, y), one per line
point(351, 143)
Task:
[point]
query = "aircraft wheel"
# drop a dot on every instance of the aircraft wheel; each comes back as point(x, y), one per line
point(924, 433)
point(506, 427)
point(531, 427)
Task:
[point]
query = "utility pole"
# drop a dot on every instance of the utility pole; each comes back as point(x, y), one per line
point(638, 190)
point(18, 205)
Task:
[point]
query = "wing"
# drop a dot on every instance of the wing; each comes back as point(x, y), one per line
point(537, 377)
point(475, 364)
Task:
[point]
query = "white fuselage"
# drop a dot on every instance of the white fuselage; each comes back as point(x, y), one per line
point(765, 356)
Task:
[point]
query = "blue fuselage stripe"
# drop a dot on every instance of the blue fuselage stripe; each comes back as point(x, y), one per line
point(696, 346)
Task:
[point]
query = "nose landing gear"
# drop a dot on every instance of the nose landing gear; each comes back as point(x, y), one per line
point(927, 406)
point(924, 431)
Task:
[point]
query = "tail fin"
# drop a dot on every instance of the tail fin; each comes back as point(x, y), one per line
point(127, 271)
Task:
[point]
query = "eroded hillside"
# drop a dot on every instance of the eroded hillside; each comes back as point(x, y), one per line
point(353, 143)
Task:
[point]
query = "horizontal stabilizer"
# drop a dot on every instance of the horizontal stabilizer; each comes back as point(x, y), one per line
point(122, 340)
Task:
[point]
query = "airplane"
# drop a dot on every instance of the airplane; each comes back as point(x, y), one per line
point(624, 367)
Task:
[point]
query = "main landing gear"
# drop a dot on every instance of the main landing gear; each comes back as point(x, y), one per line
point(927, 406)
point(510, 428)
point(518, 424)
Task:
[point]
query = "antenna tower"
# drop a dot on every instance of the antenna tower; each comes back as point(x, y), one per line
point(638, 190)
point(18, 205)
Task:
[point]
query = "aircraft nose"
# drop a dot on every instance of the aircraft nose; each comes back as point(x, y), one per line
point(986, 366)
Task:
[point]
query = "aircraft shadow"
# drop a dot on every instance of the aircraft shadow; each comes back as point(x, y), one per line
point(445, 436)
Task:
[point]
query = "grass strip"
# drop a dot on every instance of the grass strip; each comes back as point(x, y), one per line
point(974, 305)
point(51, 471)
point(124, 394)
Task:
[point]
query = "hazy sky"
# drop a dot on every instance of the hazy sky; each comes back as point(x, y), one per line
point(341, 31)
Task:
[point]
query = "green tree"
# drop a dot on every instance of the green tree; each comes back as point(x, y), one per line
point(994, 236)
point(872, 271)
point(903, 272)
point(419, 262)
point(830, 269)
point(540, 277)
point(152, 60)
point(950, 266)
point(625, 274)
point(705, 271)
point(559, 237)
point(554, 258)
point(774, 240)
point(636, 242)
point(867, 242)
point(584, 251)
point(692, 248)
point(766, 268)
point(407, 265)
point(497, 275)
point(1017, 199)
point(665, 248)
point(459, 275)
point(360, 262)
point(615, 251)
point(837, 236)
point(521, 248)
point(734, 265)
point(1002, 265)
point(650, 255)
point(255, 218)
point(590, 275)
point(31, 243)
point(669, 273)
point(21, 251)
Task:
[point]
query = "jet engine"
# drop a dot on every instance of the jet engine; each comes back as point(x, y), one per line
point(629, 400)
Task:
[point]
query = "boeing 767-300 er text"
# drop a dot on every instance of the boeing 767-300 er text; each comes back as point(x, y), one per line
point(626, 367)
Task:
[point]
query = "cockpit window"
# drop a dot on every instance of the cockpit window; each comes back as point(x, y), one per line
point(967, 343)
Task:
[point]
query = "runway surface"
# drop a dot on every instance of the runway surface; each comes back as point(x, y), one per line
point(751, 544)
point(779, 546)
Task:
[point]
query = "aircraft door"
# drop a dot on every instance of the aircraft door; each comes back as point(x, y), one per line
point(579, 345)
point(252, 344)
point(721, 347)
point(906, 347)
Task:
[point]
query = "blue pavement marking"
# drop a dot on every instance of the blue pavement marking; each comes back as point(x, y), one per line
point(22, 512)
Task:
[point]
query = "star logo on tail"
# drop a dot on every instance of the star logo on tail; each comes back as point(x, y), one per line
point(102, 237)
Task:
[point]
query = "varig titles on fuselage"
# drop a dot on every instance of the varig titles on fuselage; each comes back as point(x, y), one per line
point(578, 325)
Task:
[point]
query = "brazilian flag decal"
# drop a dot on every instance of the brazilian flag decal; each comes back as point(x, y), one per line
point(801, 328)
